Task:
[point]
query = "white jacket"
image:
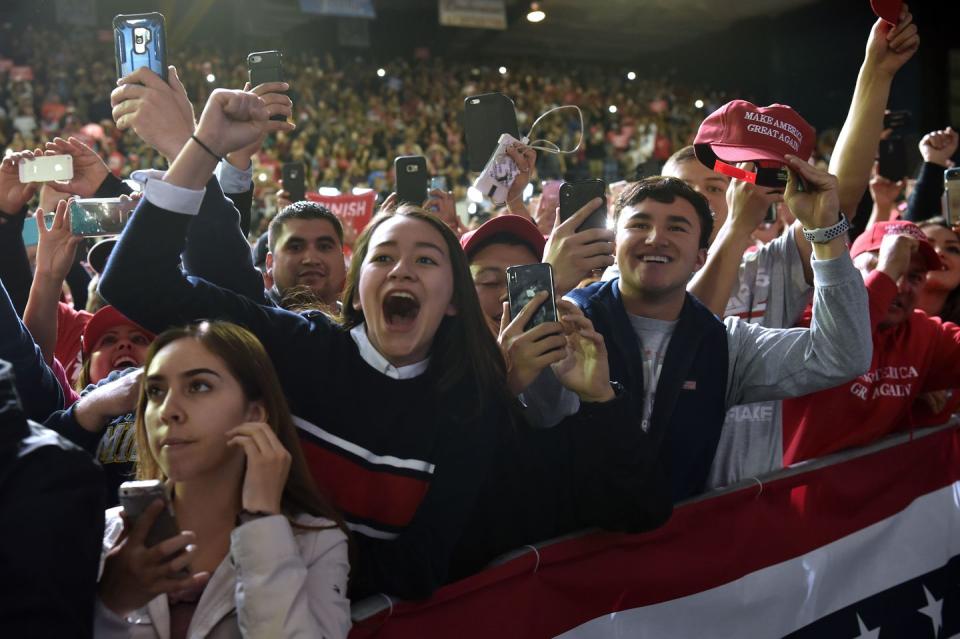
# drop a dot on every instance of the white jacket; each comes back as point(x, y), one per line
point(276, 581)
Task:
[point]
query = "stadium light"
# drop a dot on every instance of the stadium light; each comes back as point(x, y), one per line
point(381, 72)
point(211, 78)
point(631, 76)
point(612, 108)
point(698, 104)
point(502, 70)
point(536, 13)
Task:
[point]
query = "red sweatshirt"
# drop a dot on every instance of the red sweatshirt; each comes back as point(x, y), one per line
point(919, 355)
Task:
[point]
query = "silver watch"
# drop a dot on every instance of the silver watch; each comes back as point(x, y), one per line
point(824, 235)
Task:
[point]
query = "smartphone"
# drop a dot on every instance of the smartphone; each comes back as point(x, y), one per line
point(896, 119)
point(576, 195)
point(892, 163)
point(266, 66)
point(293, 181)
point(523, 283)
point(99, 216)
point(411, 177)
point(951, 187)
point(140, 42)
point(439, 182)
point(136, 497)
point(47, 168)
point(486, 118)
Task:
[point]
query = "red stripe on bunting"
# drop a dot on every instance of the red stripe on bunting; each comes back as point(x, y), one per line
point(704, 545)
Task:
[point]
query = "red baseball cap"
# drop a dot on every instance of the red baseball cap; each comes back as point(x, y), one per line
point(871, 239)
point(743, 132)
point(889, 10)
point(509, 224)
point(101, 322)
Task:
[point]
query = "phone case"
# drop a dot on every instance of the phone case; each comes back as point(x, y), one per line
point(951, 187)
point(411, 177)
point(47, 168)
point(140, 42)
point(265, 66)
point(293, 181)
point(892, 161)
point(498, 174)
point(575, 195)
point(523, 283)
point(136, 497)
point(486, 118)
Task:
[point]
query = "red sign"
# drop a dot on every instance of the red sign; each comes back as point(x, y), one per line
point(21, 74)
point(353, 210)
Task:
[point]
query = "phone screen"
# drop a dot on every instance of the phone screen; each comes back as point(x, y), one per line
point(523, 283)
point(439, 183)
point(97, 217)
point(951, 182)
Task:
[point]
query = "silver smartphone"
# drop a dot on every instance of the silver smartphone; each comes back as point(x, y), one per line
point(136, 497)
point(98, 217)
point(47, 168)
point(951, 188)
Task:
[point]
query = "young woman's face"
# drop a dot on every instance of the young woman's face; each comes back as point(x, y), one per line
point(947, 246)
point(192, 401)
point(406, 288)
point(120, 347)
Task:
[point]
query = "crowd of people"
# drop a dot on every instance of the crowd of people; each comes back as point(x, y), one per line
point(327, 428)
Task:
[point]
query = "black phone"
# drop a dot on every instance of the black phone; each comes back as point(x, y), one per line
point(951, 187)
point(266, 66)
point(892, 163)
point(486, 117)
point(136, 497)
point(896, 119)
point(523, 283)
point(294, 182)
point(575, 195)
point(411, 176)
point(140, 41)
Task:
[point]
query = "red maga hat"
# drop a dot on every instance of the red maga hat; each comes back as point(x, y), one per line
point(519, 227)
point(871, 239)
point(743, 132)
point(889, 10)
point(101, 322)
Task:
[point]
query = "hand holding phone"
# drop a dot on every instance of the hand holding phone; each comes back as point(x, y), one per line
point(498, 175)
point(576, 195)
point(411, 176)
point(951, 187)
point(264, 67)
point(529, 349)
point(99, 217)
point(132, 576)
point(523, 284)
point(46, 168)
point(140, 41)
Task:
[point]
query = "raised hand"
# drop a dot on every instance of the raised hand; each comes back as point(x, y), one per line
point(526, 160)
point(937, 147)
point(57, 246)
point(277, 103)
point(528, 352)
point(134, 574)
point(442, 204)
point(896, 252)
point(268, 464)
point(889, 47)
point(157, 111)
point(574, 254)
point(748, 203)
point(232, 120)
point(815, 200)
point(14, 195)
point(89, 169)
point(585, 368)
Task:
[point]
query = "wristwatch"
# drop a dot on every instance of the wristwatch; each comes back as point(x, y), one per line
point(824, 235)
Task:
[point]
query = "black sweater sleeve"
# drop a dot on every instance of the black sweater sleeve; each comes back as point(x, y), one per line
point(112, 186)
point(39, 390)
point(14, 264)
point(244, 204)
point(217, 249)
point(924, 202)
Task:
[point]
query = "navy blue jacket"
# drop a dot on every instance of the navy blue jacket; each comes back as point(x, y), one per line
point(690, 403)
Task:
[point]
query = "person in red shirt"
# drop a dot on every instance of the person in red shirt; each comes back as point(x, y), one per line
point(913, 353)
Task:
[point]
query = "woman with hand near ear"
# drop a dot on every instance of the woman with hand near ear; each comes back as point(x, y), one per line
point(266, 556)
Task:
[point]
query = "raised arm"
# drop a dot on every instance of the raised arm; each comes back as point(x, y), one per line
point(936, 147)
point(714, 283)
point(14, 265)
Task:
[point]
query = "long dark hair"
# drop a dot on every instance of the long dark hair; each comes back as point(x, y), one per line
point(248, 362)
point(951, 305)
point(464, 353)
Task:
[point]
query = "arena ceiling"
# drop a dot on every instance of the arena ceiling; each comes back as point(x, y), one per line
point(600, 29)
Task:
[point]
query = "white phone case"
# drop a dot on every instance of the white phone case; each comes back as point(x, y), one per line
point(47, 168)
point(497, 176)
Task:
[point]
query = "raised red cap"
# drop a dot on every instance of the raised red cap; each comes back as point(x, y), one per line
point(889, 10)
point(519, 227)
point(743, 132)
point(872, 238)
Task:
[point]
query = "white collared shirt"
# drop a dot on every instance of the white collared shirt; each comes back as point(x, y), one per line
point(373, 357)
